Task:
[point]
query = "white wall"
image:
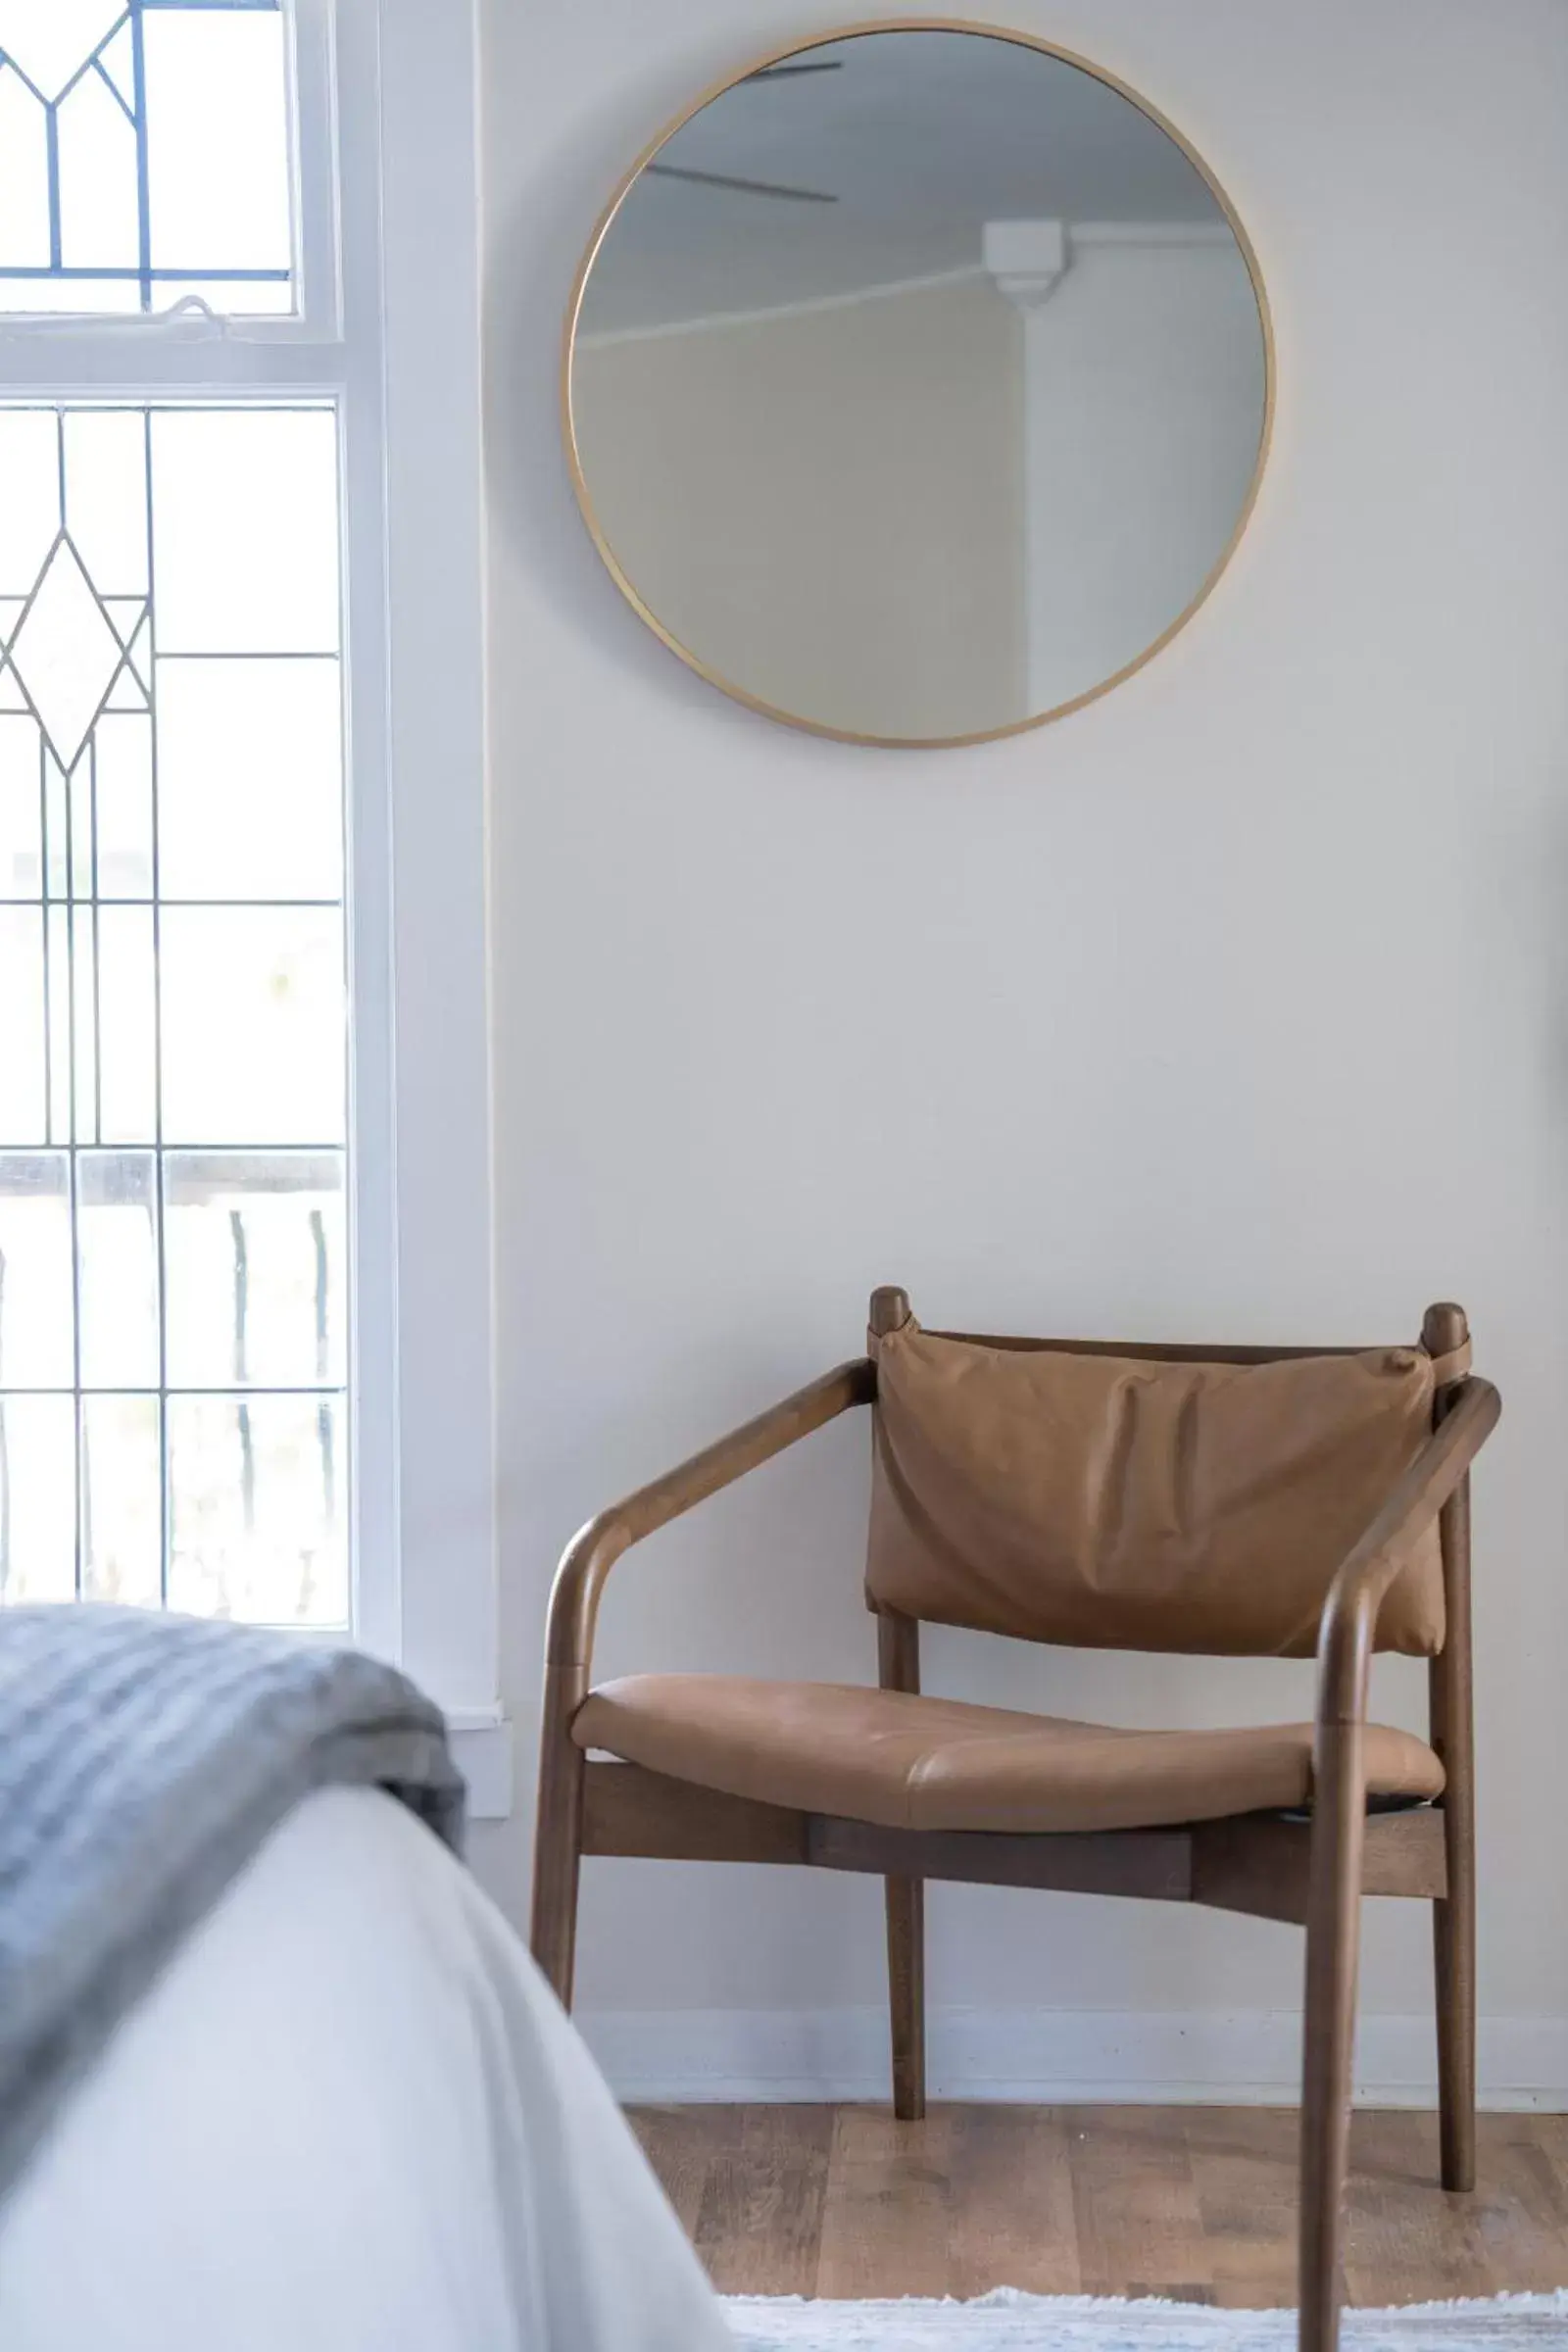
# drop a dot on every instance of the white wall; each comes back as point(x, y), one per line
point(1144, 387)
point(827, 505)
point(1234, 1005)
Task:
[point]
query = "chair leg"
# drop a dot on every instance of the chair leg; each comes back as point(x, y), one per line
point(1453, 1945)
point(1454, 1920)
point(557, 1841)
point(1333, 1933)
point(905, 1900)
point(898, 1651)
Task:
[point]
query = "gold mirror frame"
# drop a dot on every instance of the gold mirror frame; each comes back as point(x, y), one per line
point(623, 188)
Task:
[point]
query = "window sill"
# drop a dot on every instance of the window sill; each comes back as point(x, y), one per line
point(481, 1744)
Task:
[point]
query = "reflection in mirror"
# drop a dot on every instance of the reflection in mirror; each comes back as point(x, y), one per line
point(918, 385)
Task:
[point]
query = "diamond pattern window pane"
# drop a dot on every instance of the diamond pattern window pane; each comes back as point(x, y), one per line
point(145, 155)
point(63, 654)
point(174, 1300)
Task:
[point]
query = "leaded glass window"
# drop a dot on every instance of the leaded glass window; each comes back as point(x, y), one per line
point(144, 156)
point(172, 1123)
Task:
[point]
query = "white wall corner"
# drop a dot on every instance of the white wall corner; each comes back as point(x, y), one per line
point(1026, 258)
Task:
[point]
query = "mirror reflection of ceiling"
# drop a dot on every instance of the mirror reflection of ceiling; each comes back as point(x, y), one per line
point(918, 139)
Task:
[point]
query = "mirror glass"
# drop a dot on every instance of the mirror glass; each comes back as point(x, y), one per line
point(919, 384)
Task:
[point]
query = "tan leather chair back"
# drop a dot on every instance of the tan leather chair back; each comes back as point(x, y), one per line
point(1117, 1503)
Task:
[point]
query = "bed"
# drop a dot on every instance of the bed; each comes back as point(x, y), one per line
point(348, 2116)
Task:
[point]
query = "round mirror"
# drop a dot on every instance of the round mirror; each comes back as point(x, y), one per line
point(917, 384)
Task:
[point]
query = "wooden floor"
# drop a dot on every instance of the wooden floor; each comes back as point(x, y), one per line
point(1193, 2202)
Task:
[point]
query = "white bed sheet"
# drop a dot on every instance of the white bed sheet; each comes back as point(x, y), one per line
point(349, 2118)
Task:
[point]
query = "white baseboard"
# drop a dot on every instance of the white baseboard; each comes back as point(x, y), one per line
point(1246, 2057)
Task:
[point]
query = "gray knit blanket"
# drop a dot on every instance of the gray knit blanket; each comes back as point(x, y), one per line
point(143, 1760)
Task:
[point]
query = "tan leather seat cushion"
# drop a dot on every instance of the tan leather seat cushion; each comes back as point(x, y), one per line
point(941, 1764)
point(1108, 1502)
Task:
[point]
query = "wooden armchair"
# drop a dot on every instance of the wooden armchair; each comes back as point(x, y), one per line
point(1214, 1500)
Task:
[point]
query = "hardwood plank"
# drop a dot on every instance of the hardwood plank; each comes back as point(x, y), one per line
point(1244, 2167)
point(1196, 2202)
point(1548, 2134)
point(682, 2144)
point(1407, 2241)
point(759, 2222)
point(1140, 2225)
point(1010, 2218)
point(1522, 2174)
point(887, 2209)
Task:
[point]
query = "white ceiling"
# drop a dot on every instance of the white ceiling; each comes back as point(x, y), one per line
point(920, 138)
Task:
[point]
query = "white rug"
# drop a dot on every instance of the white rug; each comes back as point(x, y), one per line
point(1010, 2322)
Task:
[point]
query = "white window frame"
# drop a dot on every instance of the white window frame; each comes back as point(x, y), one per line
point(387, 265)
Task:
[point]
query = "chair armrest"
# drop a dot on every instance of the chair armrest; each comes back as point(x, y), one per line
point(592, 1554)
point(1349, 1613)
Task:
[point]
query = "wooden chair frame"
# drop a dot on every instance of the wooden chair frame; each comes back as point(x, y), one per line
point(1312, 1873)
